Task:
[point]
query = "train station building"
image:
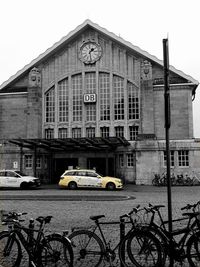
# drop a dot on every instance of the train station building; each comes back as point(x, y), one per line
point(94, 100)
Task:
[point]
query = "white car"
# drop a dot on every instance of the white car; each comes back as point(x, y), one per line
point(17, 179)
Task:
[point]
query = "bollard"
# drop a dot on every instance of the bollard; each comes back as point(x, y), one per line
point(122, 235)
point(30, 238)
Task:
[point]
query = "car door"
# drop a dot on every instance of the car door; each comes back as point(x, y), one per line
point(2, 179)
point(12, 179)
point(92, 179)
point(81, 178)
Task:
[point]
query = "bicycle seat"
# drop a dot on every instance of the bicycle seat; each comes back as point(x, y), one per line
point(95, 218)
point(42, 219)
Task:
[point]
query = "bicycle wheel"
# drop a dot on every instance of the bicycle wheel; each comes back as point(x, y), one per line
point(165, 249)
point(10, 251)
point(87, 247)
point(193, 250)
point(143, 249)
point(55, 251)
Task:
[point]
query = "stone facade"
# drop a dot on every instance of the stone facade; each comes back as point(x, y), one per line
point(31, 107)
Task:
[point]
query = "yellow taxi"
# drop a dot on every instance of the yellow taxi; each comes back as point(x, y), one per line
point(73, 179)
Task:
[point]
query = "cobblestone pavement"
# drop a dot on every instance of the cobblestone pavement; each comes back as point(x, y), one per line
point(76, 212)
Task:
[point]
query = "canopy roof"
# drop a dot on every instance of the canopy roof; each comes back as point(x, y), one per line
point(72, 144)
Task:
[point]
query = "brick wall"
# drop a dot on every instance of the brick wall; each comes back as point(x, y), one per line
point(13, 117)
point(181, 113)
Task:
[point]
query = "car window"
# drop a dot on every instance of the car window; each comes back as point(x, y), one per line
point(69, 173)
point(2, 174)
point(81, 173)
point(11, 174)
point(21, 173)
point(92, 174)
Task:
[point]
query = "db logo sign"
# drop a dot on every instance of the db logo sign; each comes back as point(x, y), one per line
point(90, 98)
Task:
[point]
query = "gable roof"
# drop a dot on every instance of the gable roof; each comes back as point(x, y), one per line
point(111, 35)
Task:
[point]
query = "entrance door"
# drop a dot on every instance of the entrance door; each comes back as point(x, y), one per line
point(99, 164)
point(62, 165)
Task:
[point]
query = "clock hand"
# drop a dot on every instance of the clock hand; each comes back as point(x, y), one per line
point(91, 50)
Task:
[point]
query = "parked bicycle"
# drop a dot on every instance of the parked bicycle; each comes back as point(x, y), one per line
point(187, 246)
point(43, 250)
point(137, 248)
point(176, 180)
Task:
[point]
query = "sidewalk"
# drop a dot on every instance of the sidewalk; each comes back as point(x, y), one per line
point(68, 214)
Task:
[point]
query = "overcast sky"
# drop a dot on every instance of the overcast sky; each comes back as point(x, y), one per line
point(28, 28)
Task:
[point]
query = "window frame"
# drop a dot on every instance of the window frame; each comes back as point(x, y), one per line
point(133, 132)
point(130, 160)
point(119, 131)
point(172, 158)
point(50, 105)
point(118, 97)
point(183, 158)
point(28, 161)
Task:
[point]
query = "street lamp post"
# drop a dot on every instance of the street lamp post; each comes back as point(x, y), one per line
point(167, 127)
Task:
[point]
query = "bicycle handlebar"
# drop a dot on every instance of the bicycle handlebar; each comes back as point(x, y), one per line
point(134, 210)
point(153, 208)
point(14, 214)
point(190, 206)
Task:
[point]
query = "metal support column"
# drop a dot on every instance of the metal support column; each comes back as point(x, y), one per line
point(167, 127)
point(21, 159)
point(34, 161)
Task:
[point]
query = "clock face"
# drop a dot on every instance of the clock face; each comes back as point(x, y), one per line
point(90, 52)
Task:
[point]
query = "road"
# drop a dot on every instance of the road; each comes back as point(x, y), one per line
point(73, 208)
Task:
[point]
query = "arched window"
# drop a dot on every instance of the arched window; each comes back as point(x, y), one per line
point(118, 92)
point(63, 98)
point(90, 86)
point(133, 101)
point(77, 97)
point(104, 92)
point(50, 105)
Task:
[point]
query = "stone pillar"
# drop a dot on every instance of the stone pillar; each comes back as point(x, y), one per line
point(34, 105)
point(147, 108)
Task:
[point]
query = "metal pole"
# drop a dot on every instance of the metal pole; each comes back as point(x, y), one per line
point(122, 235)
point(35, 161)
point(21, 159)
point(167, 127)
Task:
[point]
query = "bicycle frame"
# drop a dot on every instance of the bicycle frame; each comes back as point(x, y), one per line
point(36, 246)
point(106, 244)
point(31, 249)
point(178, 247)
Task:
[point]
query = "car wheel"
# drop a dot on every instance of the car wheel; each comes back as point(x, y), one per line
point(24, 185)
point(72, 185)
point(110, 186)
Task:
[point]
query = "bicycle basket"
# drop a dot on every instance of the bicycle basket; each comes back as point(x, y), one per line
point(142, 218)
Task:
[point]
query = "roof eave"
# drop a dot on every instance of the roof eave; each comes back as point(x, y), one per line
point(95, 26)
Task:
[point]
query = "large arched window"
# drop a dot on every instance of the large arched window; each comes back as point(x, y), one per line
point(63, 98)
point(77, 97)
point(50, 105)
point(104, 92)
point(118, 92)
point(90, 87)
point(133, 101)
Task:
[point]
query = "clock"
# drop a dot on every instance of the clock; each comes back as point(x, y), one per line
point(90, 52)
